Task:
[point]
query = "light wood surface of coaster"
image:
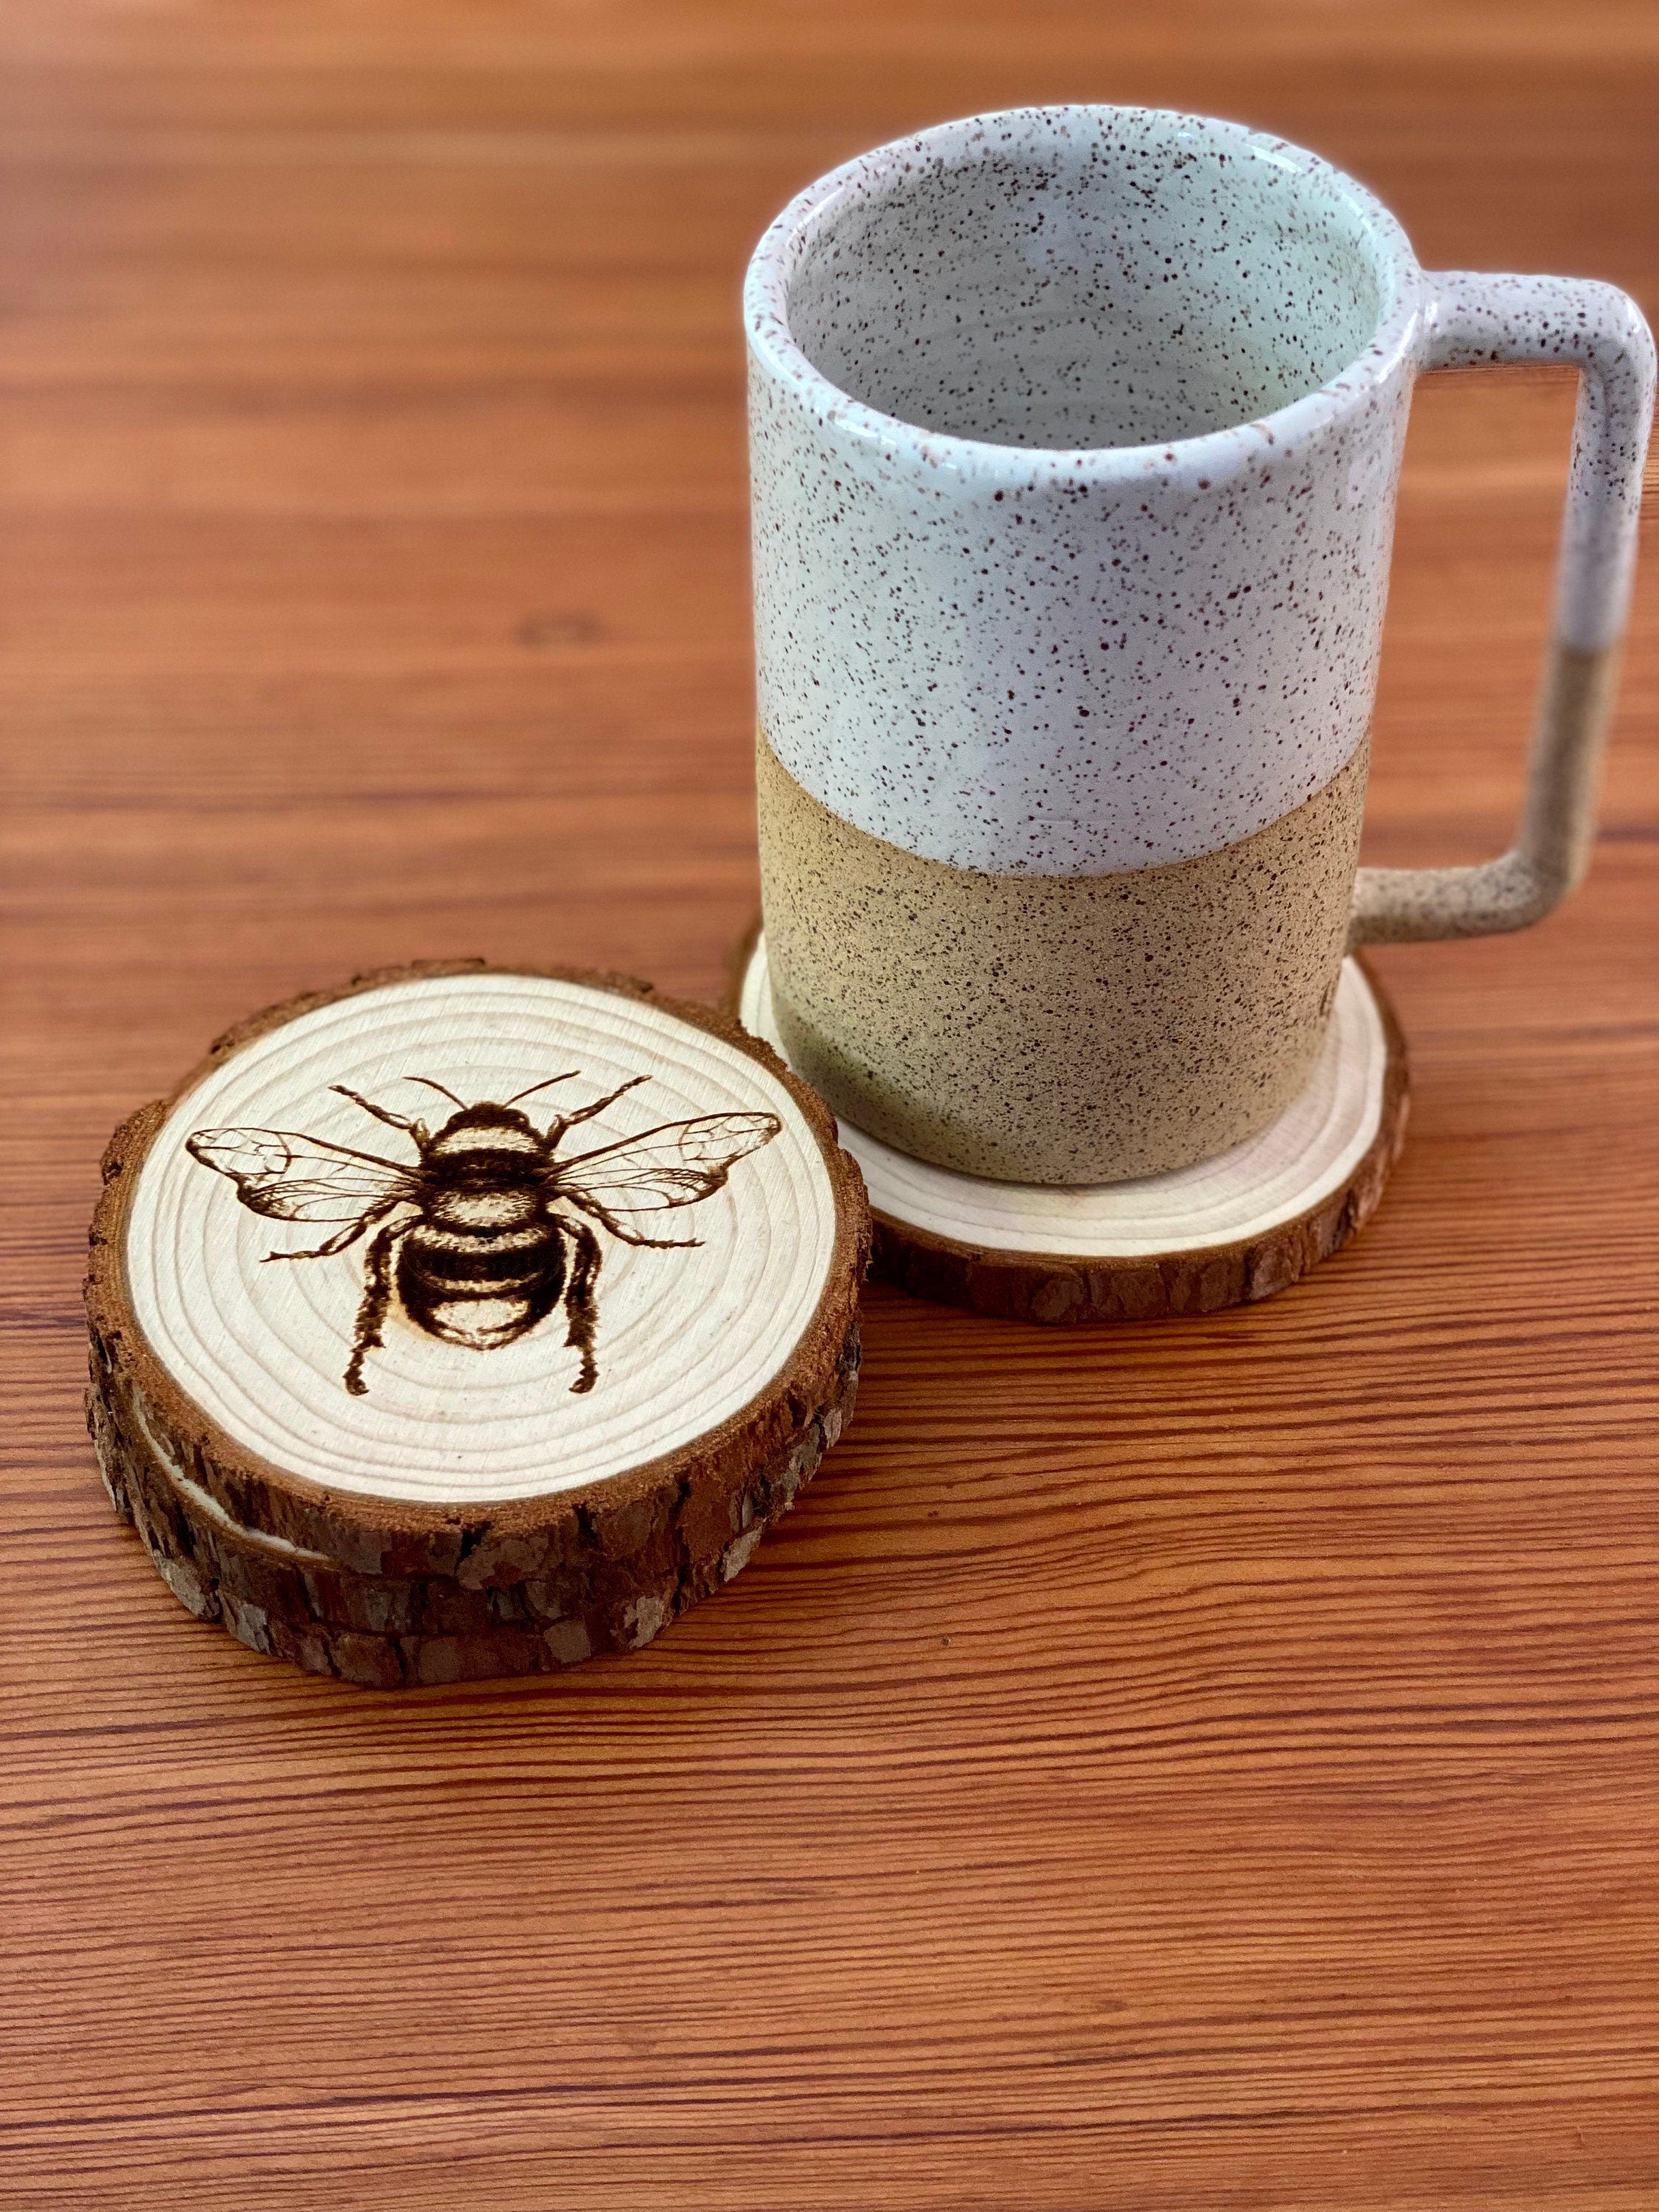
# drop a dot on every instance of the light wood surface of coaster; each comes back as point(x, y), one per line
point(470, 1304)
point(1230, 1230)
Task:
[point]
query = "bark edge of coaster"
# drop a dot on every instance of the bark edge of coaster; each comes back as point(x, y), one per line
point(391, 1574)
point(1130, 1268)
point(385, 1632)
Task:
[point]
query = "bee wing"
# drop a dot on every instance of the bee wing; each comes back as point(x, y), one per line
point(674, 1165)
point(295, 1178)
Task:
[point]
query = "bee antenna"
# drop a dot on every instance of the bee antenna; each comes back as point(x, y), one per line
point(440, 1088)
point(546, 1082)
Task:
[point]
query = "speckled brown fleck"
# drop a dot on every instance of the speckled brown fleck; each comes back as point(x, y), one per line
point(1055, 1029)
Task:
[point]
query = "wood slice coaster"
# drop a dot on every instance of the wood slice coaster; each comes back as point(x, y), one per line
point(1230, 1230)
point(468, 1320)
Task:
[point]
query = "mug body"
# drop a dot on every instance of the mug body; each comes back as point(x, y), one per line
point(1075, 435)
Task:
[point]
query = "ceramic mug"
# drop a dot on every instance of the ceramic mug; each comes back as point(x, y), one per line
point(1075, 437)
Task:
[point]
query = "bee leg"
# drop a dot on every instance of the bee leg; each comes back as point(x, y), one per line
point(415, 1129)
point(347, 1236)
point(579, 1304)
point(377, 1297)
point(634, 1235)
point(561, 1123)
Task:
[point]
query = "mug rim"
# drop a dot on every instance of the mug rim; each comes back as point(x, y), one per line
point(1396, 335)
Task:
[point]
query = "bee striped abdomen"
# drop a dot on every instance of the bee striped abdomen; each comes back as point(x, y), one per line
point(481, 1287)
point(486, 1262)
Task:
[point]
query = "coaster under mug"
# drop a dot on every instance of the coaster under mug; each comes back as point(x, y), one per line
point(1226, 1232)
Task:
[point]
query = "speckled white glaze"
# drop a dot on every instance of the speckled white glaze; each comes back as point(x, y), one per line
point(1480, 320)
point(1075, 434)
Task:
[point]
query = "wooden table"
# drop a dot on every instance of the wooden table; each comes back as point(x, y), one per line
point(1209, 1764)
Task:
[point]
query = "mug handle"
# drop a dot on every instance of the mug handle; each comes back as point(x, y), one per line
point(1480, 320)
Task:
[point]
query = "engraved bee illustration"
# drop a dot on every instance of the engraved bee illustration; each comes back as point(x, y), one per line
point(484, 1236)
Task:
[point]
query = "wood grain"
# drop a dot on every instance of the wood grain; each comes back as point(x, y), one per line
point(1205, 1764)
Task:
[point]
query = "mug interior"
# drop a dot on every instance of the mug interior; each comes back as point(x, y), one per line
point(1082, 278)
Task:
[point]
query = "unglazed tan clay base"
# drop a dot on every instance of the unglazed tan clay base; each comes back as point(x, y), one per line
point(1234, 1229)
point(960, 1016)
point(404, 1381)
